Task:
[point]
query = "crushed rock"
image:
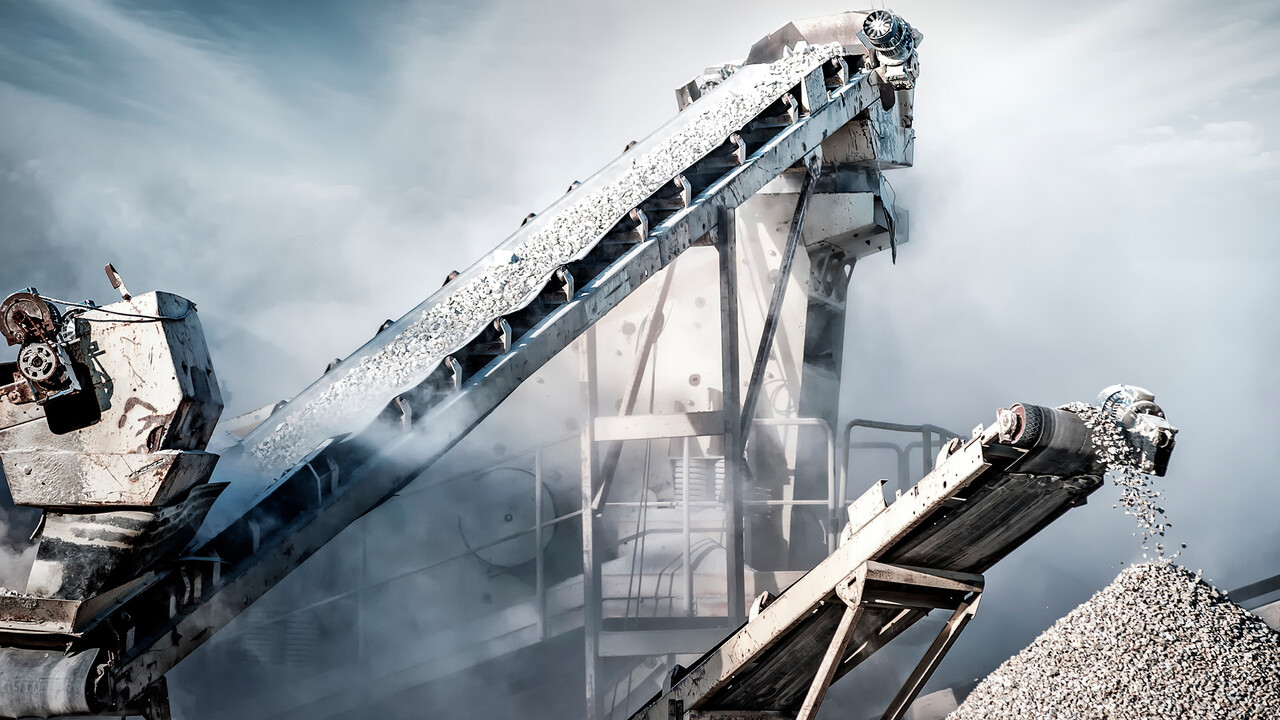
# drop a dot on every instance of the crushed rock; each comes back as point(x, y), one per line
point(356, 391)
point(1158, 642)
point(1139, 494)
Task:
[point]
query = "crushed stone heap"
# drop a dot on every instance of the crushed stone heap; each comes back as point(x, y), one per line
point(1156, 643)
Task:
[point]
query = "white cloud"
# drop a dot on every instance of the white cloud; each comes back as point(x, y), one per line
point(1220, 146)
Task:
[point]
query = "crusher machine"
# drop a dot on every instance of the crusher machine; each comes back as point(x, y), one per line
point(106, 417)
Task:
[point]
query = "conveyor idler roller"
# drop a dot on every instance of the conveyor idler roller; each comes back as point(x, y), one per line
point(41, 683)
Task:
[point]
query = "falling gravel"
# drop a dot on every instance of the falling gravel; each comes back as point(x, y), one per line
point(1139, 495)
point(356, 390)
point(1158, 642)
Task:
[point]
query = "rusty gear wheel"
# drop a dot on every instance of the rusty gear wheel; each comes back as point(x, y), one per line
point(25, 317)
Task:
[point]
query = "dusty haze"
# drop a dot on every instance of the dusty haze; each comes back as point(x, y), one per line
point(1094, 201)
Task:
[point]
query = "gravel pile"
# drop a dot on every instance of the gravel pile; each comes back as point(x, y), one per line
point(1156, 643)
point(351, 395)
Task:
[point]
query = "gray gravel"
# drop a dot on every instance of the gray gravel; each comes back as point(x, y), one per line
point(352, 394)
point(1139, 495)
point(1158, 642)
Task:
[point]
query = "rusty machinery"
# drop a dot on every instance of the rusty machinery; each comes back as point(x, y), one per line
point(104, 417)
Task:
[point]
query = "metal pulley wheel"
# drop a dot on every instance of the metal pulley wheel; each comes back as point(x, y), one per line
point(37, 362)
point(890, 36)
point(25, 317)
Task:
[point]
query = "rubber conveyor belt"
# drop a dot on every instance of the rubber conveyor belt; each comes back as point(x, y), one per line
point(636, 197)
point(149, 625)
point(924, 551)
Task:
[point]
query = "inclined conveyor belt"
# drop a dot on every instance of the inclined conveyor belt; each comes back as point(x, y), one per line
point(925, 551)
point(437, 381)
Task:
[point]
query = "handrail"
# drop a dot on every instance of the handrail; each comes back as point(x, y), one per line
point(926, 432)
point(833, 504)
point(900, 451)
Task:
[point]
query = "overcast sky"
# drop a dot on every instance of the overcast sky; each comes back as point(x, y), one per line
point(1095, 200)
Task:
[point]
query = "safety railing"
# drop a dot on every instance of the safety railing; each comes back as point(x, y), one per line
point(926, 445)
point(832, 501)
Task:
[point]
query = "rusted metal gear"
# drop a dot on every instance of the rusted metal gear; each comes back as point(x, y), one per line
point(25, 317)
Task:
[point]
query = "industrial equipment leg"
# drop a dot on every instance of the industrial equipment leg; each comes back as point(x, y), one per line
point(539, 570)
point(686, 530)
point(932, 657)
point(735, 559)
point(850, 592)
point(591, 587)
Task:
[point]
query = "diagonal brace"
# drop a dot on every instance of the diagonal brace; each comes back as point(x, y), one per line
point(779, 292)
point(932, 657)
point(850, 591)
point(613, 452)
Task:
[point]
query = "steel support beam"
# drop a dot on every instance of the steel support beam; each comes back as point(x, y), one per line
point(850, 591)
point(735, 557)
point(932, 657)
point(771, 320)
point(656, 427)
point(591, 587)
point(925, 577)
point(686, 479)
point(736, 715)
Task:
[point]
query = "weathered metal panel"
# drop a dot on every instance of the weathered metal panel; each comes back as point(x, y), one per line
point(155, 384)
point(107, 479)
point(863, 510)
point(23, 613)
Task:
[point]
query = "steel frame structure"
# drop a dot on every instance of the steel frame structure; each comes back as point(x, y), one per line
point(134, 634)
point(145, 627)
point(895, 564)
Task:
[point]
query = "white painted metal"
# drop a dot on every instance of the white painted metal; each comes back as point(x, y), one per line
point(158, 397)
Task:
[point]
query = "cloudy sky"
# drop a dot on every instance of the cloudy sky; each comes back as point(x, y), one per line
point(1095, 200)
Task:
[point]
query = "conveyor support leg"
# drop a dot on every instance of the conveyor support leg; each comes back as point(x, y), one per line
point(932, 658)
point(850, 591)
point(591, 583)
point(735, 557)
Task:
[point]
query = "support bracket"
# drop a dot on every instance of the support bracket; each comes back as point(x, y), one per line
point(932, 657)
point(850, 591)
point(853, 591)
